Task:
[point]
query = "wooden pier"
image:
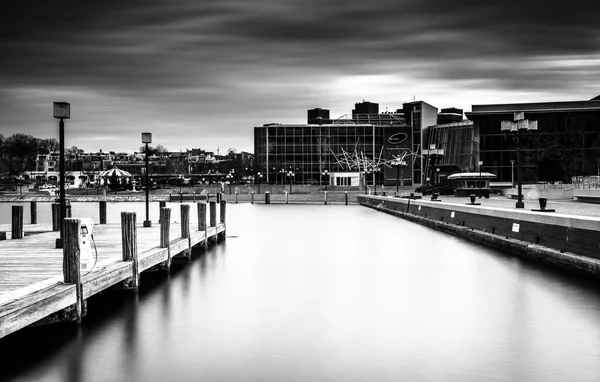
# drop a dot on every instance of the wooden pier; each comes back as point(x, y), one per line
point(42, 284)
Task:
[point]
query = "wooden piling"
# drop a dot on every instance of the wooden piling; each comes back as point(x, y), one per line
point(236, 197)
point(33, 212)
point(202, 222)
point(161, 204)
point(267, 197)
point(252, 197)
point(325, 197)
point(219, 197)
point(103, 212)
point(286, 197)
point(17, 222)
point(185, 228)
point(55, 217)
point(213, 213)
point(222, 211)
point(346, 196)
point(71, 266)
point(165, 226)
point(130, 252)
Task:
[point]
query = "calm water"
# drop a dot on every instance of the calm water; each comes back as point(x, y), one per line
point(327, 293)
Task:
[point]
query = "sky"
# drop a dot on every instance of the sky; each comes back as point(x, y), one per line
point(202, 74)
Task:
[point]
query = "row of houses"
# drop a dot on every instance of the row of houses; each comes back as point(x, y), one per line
point(87, 166)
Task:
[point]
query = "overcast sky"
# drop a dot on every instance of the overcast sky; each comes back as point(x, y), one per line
point(202, 73)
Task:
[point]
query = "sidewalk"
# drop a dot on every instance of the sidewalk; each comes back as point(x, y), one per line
point(562, 206)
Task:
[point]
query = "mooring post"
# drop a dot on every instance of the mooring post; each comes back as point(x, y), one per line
point(185, 228)
point(346, 197)
point(213, 213)
point(165, 226)
point(103, 212)
point(325, 197)
point(71, 266)
point(252, 197)
point(55, 217)
point(219, 196)
point(267, 197)
point(130, 253)
point(33, 212)
point(202, 222)
point(222, 213)
point(286, 197)
point(17, 222)
point(212, 206)
point(236, 196)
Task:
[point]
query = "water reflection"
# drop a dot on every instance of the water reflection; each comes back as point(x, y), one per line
point(329, 293)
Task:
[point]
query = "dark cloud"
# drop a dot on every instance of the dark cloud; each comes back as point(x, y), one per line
point(202, 59)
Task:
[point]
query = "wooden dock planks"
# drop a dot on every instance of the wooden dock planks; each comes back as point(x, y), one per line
point(31, 279)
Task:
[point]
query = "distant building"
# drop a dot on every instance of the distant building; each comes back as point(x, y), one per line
point(449, 115)
point(420, 115)
point(318, 116)
point(566, 143)
point(454, 147)
point(325, 153)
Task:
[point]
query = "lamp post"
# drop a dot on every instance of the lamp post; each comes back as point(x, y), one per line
point(516, 126)
point(367, 171)
point(291, 175)
point(282, 172)
point(229, 178)
point(62, 111)
point(436, 179)
point(325, 173)
point(146, 139)
point(259, 180)
point(399, 172)
point(479, 182)
point(512, 172)
point(375, 171)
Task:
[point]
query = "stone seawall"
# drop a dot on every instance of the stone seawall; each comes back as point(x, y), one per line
point(561, 240)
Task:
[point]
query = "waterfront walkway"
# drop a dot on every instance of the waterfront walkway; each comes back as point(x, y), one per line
point(32, 271)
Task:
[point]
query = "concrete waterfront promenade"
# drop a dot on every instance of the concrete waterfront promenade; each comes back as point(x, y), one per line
point(567, 238)
point(39, 282)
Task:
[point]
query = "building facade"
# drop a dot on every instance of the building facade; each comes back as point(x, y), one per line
point(322, 154)
point(565, 144)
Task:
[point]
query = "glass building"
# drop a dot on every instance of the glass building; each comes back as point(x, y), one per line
point(456, 145)
point(341, 147)
point(565, 144)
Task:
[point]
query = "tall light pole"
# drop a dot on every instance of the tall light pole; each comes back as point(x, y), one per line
point(290, 174)
point(259, 180)
point(512, 173)
point(516, 126)
point(325, 173)
point(62, 111)
point(146, 139)
point(479, 182)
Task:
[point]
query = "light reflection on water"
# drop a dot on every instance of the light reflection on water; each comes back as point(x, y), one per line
point(329, 293)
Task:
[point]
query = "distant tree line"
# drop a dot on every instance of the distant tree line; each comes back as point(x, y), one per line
point(19, 152)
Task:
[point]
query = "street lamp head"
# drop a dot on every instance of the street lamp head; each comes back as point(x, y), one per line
point(62, 110)
point(146, 137)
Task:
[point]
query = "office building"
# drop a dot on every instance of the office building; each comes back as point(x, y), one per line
point(337, 153)
point(565, 144)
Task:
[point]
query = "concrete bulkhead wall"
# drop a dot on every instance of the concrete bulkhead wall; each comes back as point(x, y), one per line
point(564, 240)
